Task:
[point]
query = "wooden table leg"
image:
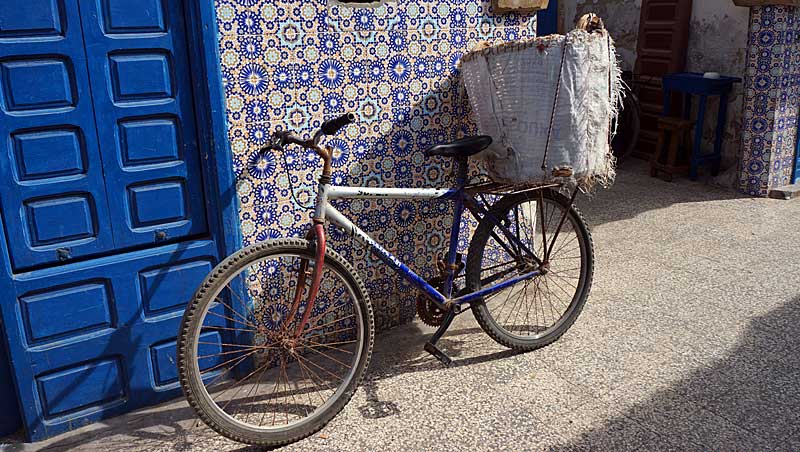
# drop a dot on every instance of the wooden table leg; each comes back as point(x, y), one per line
point(698, 138)
point(722, 117)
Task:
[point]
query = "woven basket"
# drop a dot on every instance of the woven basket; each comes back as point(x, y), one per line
point(548, 103)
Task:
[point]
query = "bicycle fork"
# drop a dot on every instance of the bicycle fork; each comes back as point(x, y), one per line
point(316, 278)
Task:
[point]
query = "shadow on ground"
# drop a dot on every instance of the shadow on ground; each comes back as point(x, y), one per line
point(748, 400)
point(175, 423)
point(635, 192)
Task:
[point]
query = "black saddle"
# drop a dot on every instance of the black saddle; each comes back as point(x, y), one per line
point(464, 147)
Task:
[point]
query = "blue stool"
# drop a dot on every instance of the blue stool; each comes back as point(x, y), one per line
point(692, 83)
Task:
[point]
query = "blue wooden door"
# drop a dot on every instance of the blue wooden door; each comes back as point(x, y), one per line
point(796, 173)
point(56, 207)
point(104, 216)
point(97, 105)
point(139, 73)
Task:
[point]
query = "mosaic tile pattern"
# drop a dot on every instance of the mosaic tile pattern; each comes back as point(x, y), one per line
point(771, 99)
point(292, 64)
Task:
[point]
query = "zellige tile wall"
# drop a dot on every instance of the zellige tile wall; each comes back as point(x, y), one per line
point(772, 99)
point(293, 64)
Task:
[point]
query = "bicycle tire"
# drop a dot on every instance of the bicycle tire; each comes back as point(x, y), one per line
point(474, 271)
point(190, 375)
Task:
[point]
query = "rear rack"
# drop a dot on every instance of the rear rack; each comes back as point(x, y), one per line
point(498, 188)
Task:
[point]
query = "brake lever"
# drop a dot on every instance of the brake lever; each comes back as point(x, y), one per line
point(275, 143)
point(278, 139)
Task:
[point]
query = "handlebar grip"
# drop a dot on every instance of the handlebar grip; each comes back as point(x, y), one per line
point(332, 126)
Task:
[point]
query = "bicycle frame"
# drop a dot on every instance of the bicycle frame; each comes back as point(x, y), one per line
point(323, 211)
point(462, 200)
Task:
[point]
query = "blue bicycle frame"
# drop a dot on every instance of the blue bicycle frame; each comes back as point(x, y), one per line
point(462, 200)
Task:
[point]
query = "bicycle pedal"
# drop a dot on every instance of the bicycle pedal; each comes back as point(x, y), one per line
point(438, 354)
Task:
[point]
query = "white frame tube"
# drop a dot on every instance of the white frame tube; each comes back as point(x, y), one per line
point(334, 192)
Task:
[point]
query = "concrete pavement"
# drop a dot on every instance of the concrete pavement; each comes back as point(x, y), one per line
point(688, 342)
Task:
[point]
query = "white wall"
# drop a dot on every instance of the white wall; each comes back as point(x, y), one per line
point(621, 18)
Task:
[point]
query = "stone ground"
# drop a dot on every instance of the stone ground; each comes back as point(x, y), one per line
point(688, 342)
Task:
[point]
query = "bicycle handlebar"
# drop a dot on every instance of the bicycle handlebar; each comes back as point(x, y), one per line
point(329, 127)
point(332, 126)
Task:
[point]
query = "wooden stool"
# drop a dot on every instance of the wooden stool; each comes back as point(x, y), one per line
point(669, 157)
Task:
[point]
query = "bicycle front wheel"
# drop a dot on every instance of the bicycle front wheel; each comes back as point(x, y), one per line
point(247, 369)
point(535, 312)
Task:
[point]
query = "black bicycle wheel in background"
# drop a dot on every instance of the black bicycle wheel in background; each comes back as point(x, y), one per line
point(533, 313)
point(245, 370)
point(628, 127)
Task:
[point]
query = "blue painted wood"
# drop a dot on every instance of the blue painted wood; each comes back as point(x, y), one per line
point(141, 85)
point(99, 364)
point(10, 420)
point(42, 313)
point(692, 83)
point(120, 337)
point(162, 287)
point(44, 154)
point(101, 381)
point(31, 18)
point(165, 356)
point(215, 148)
point(547, 19)
point(56, 199)
point(796, 172)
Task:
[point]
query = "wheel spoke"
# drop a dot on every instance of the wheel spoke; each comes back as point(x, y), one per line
point(259, 367)
point(305, 338)
point(530, 310)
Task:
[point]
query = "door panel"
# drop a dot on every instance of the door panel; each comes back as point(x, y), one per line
point(796, 173)
point(55, 209)
point(100, 151)
point(138, 66)
point(661, 49)
point(97, 338)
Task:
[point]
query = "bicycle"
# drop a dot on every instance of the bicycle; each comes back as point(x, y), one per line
point(291, 337)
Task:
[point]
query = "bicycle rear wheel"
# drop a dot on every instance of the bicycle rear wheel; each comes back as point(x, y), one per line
point(532, 313)
point(246, 368)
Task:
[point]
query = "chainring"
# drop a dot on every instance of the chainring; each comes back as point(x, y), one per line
point(428, 312)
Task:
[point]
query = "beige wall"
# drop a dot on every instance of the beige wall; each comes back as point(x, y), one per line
point(621, 18)
point(717, 42)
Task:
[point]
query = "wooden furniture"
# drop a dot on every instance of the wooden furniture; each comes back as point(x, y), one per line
point(661, 49)
point(688, 84)
point(670, 156)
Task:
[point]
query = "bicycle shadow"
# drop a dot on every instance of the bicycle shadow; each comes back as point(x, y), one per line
point(745, 400)
point(723, 389)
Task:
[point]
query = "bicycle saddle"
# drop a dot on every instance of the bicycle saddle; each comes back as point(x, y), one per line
point(464, 147)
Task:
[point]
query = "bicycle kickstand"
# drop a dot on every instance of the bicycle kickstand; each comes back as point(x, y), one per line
point(431, 347)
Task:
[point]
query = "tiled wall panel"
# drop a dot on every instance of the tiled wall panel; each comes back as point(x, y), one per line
point(771, 99)
point(293, 64)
